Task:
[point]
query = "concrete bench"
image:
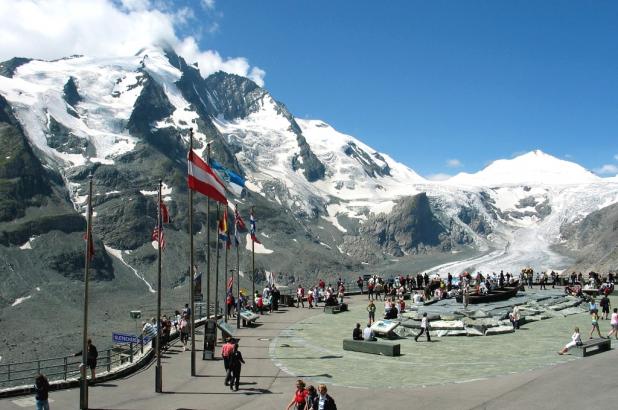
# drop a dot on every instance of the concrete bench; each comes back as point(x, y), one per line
point(592, 346)
point(385, 349)
point(336, 308)
point(248, 317)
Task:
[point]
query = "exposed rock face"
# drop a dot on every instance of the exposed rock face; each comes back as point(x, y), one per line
point(71, 95)
point(410, 228)
point(594, 241)
point(7, 68)
point(371, 168)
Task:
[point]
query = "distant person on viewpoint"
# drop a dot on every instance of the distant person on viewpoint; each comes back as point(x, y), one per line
point(91, 358)
point(41, 389)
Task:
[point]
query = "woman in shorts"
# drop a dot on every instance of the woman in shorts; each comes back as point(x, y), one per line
point(614, 323)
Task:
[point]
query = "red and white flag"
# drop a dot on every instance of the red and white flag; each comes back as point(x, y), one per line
point(165, 214)
point(230, 282)
point(203, 179)
point(157, 236)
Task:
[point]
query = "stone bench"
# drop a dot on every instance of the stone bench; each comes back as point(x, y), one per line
point(248, 317)
point(592, 346)
point(385, 349)
point(336, 308)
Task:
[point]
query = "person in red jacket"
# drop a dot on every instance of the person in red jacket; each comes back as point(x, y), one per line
point(300, 397)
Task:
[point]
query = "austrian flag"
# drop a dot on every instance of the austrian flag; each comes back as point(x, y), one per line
point(203, 180)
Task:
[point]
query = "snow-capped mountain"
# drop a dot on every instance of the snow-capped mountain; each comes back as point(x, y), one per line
point(345, 206)
point(326, 203)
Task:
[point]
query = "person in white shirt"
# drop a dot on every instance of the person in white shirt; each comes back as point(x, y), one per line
point(368, 334)
point(576, 340)
point(424, 328)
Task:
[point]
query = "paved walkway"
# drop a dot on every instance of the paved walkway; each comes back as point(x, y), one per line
point(585, 383)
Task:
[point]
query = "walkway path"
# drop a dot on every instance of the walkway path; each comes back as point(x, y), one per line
point(585, 383)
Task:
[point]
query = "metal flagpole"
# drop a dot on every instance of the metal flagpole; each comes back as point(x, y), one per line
point(217, 274)
point(191, 274)
point(237, 273)
point(253, 265)
point(158, 369)
point(207, 248)
point(83, 386)
point(205, 344)
point(225, 270)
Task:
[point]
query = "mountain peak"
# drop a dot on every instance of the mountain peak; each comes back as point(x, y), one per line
point(534, 167)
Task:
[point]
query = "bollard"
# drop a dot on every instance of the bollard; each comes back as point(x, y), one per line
point(109, 360)
point(66, 367)
point(131, 353)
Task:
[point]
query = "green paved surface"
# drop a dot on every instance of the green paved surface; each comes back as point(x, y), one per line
point(575, 384)
point(444, 360)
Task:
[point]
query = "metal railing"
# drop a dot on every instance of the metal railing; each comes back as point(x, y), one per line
point(64, 368)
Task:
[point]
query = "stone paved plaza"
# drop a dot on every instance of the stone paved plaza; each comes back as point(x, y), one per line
point(307, 343)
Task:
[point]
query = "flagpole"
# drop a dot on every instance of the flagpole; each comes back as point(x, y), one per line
point(191, 276)
point(253, 265)
point(205, 349)
point(158, 369)
point(237, 272)
point(217, 275)
point(207, 248)
point(225, 281)
point(83, 386)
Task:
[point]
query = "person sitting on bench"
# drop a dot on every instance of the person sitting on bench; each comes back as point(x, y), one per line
point(357, 333)
point(368, 334)
point(576, 340)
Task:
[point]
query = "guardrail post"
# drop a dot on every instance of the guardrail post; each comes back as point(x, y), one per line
point(131, 353)
point(38, 366)
point(9, 372)
point(66, 367)
point(109, 359)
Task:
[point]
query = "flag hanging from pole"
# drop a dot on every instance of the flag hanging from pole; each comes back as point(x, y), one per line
point(90, 250)
point(253, 229)
point(230, 282)
point(203, 179)
point(157, 236)
point(238, 224)
point(165, 215)
point(223, 227)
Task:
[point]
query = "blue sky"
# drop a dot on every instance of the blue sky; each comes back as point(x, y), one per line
point(442, 86)
point(429, 82)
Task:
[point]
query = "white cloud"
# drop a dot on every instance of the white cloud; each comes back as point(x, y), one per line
point(438, 177)
point(607, 169)
point(453, 163)
point(616, 157)
point(50, 29)
point(208, 4)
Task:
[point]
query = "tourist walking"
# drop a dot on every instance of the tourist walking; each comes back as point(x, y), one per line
point(184, 332)
point(605, 305)
point(324, 401)
point(424, 328)
point(236, 362)
point(371, 308)
point(226, 353)
point(91, 359)
point(595, 324)
point(300, 294)
point(311, 396)
point(300, 397)
point(359, 282)
point(614, 324)
point(576, 340)
point(41, 390)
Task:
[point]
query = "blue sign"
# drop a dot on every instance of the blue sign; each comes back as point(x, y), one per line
point(125, 338)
